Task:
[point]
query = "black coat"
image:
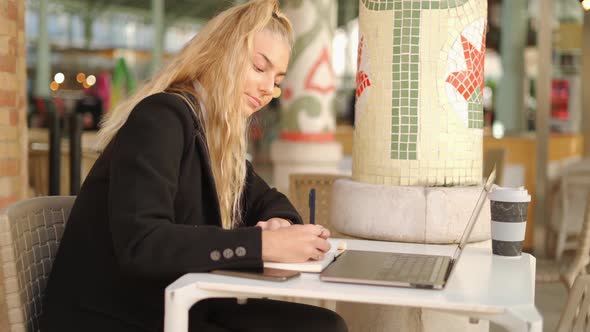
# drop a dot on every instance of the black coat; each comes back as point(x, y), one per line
point(147, 214)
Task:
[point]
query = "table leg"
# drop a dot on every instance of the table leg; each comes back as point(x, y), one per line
point(176, 311)
point(178, 302)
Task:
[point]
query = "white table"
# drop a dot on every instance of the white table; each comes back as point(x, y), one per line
point(483, 286)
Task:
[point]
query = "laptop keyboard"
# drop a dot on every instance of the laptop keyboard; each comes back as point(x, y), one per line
point(411, 268)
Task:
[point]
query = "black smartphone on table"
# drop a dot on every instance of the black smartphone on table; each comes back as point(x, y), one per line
point(267, 274)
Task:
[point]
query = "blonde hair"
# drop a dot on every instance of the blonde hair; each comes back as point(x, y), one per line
point(216, 57)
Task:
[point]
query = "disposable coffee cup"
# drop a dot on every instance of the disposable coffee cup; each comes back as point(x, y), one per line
point(509, 213)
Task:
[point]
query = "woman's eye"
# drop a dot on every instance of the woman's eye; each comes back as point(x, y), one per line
point(258, 69)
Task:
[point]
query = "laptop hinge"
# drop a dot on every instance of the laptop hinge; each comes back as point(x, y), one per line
point(449, 269)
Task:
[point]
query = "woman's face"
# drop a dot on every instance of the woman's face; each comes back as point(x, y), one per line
point(268, 65)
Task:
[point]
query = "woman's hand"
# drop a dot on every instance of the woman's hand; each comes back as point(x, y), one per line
point(273, 223)
point(295, 244)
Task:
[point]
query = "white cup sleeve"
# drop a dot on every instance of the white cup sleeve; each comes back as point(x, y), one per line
point(508, 231)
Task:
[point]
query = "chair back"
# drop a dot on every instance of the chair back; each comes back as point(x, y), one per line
point(568, 214)
point(575, 188)
point(577, 166)
point(300, 185)
point(576, 316)
point(582, 257)
point(30, 232)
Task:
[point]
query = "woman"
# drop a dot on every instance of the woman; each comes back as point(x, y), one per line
point(171, 193)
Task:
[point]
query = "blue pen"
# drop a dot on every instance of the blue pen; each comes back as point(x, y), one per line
point(312, 206)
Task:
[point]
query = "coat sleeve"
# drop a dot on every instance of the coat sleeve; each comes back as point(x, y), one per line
point(263, 202)
point(144, 174)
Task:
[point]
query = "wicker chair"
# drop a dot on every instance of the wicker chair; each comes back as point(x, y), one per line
point(30, 232)
point(576, 315)
point(299, 188)
point(556, 270)
point(566, 224)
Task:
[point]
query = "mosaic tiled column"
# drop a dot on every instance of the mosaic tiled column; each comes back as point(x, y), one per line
point(419, 111)
point(417, 151)
point(308, 119)
point(418, 123)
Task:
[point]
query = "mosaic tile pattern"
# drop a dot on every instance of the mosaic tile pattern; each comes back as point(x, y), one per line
point(405, 70)
point(379, 5)
point(430, 140)
point(405, 75)
point(475, 109)
point(466, 79)
point(362, 79)
point(308, 89)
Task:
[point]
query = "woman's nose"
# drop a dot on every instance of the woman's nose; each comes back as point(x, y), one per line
point(267, 85)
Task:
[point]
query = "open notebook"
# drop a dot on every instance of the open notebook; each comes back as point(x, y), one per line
point(337, 247)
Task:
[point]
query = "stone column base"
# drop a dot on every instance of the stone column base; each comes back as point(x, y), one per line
point(407, 214)
point(303, 157)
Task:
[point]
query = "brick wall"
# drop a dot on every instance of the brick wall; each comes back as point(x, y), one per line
point(13, 132)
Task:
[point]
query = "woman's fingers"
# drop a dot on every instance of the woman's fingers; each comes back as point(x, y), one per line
point(276, 223)
point(263, 225)
point(297, 243)
point(270, 225)
point(325, 234)
point(321, 231)
point(317, 257)
point(322, 245)
point(284, 222)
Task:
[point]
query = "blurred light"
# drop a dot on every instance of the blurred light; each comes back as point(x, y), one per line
point(339, 43)
point(488, 97)
point(81, 77)
point(59, 78)
point(85, 85)
point(586, 4)
point(91, 80)
point(54, 86)
point(498, 129)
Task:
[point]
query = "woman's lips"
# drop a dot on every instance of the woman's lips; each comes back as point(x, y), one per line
point(255, 101)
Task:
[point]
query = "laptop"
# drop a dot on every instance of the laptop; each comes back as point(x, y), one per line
point(400, 269)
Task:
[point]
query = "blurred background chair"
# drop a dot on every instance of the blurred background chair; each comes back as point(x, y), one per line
point(567, 270)
point(30, 232)
point(580, 165)
point(568, 212)
point(299, 188)
point(575, 316)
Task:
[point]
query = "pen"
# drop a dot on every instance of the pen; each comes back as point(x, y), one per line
point(312, 206)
